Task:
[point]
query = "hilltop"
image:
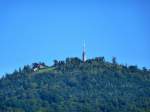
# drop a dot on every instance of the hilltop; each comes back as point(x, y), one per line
point(76, 86)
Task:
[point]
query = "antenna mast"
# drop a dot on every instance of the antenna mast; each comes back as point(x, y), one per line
point(84, 53)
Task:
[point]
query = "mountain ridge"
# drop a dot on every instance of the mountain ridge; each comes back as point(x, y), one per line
point(76, 86)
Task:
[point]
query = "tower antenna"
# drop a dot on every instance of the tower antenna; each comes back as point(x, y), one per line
point(84, 53)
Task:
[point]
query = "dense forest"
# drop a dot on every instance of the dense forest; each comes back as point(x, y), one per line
point(76, 86)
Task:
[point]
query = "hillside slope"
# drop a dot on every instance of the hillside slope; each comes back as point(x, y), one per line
point(74, 86)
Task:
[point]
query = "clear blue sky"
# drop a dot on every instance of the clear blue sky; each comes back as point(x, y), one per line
point(33, 31)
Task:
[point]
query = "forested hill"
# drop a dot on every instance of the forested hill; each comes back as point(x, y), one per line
point(75, 86)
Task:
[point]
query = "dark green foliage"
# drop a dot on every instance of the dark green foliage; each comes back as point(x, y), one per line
point(27, 69)
point(114, 60)
point(76, 86)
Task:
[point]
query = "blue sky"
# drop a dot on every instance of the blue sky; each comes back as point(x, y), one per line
point(33, 31)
